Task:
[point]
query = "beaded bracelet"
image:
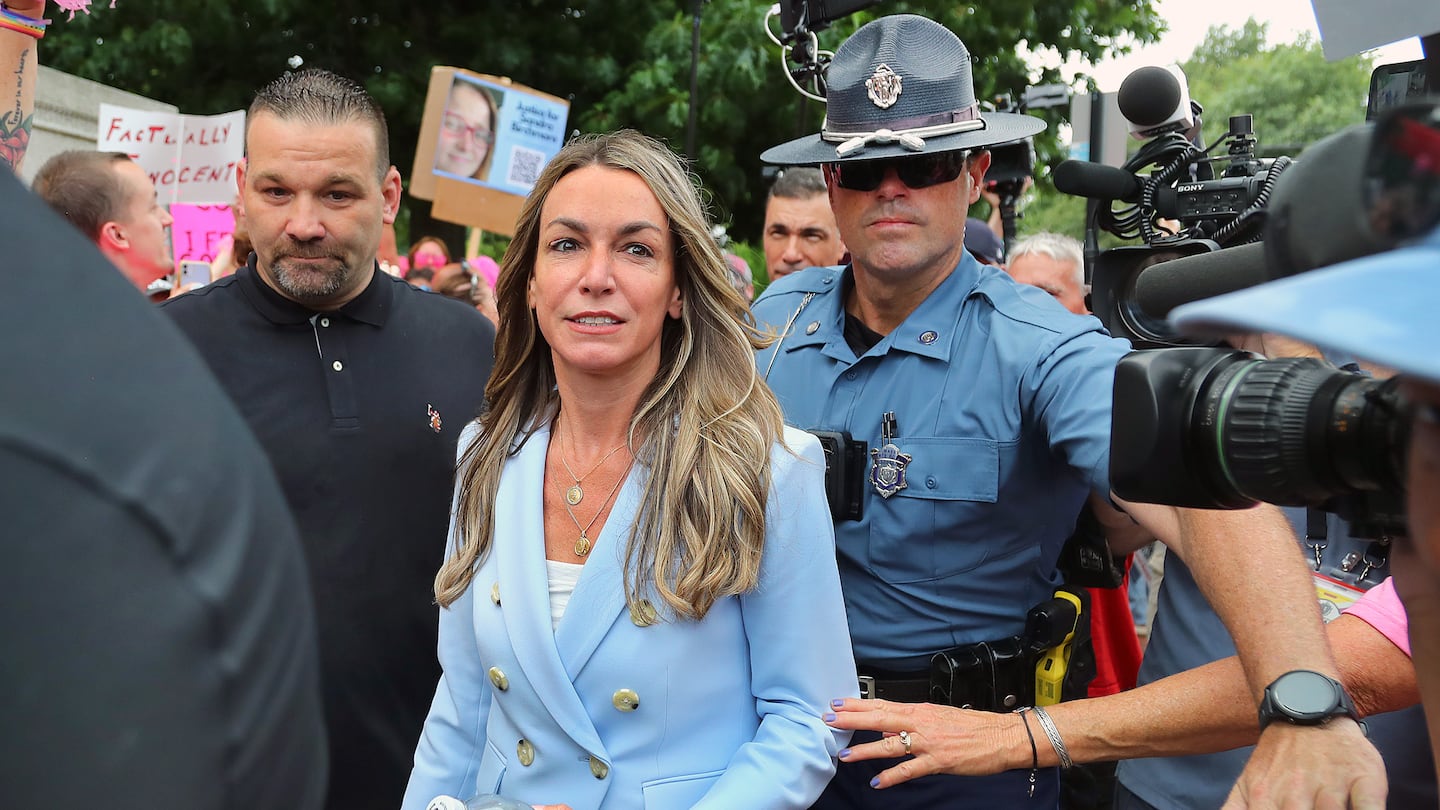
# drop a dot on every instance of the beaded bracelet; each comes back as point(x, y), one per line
point(1034, 752)
point(19, 23)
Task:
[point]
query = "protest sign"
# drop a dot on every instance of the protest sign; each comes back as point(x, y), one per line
point(483, 142)
point(198, 231)
point(190, 158)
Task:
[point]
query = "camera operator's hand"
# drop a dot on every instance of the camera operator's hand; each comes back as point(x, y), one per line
point(1311, 766)
point(991, 196)
point(1277, 629)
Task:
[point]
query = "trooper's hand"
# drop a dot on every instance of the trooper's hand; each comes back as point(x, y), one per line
point(1329, 766)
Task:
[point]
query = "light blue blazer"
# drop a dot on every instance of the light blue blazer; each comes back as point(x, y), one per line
point(612, 711)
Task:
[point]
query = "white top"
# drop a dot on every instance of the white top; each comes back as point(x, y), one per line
point(563, 577)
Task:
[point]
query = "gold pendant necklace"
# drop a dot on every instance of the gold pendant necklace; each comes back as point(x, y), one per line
point(583, 545)
point(576, 493)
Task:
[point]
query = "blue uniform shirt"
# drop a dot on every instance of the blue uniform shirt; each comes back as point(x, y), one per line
point(1002, 401)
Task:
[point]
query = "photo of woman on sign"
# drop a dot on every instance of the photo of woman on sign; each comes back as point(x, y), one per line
point(467, 131)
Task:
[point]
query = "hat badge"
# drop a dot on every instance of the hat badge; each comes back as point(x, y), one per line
point(884, 87)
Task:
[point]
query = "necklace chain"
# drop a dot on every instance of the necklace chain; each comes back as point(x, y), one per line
point(583, 544)
point(576, 492)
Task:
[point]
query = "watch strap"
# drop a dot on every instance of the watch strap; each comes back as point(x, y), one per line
point(1271, 709)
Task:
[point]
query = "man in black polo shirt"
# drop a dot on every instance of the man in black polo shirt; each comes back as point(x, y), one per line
point(357, 385)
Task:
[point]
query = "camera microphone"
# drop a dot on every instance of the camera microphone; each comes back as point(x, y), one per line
point(1317, 216)
point(815, 15)
point(1165, 286)
point(1080, 178)
point(1156, 100)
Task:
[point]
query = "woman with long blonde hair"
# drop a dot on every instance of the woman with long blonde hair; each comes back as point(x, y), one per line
point(640, 607)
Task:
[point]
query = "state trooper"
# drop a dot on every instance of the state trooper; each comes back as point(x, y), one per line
point(967, 418)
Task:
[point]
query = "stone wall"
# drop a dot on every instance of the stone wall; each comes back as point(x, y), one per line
point(67, 113)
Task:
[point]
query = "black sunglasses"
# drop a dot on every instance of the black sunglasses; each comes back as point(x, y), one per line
point(920, 171)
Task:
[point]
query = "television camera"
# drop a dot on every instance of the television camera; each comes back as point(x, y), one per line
point(1179, 197)
point(1218, 428)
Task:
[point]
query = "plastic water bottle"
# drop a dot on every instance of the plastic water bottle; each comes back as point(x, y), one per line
point(485, 801)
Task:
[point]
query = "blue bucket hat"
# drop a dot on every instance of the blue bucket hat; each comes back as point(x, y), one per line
point(900, 86)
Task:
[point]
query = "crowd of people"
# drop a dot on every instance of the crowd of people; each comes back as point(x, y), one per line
point(604, 533)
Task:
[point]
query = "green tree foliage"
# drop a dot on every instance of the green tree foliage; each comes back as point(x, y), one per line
point(622, 63)
point(746, 105)
point(1295, 95)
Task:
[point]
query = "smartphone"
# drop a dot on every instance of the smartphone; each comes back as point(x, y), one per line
point(1393, 85)
point(194, 273)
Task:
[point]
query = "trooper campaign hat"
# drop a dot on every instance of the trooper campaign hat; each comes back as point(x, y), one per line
point(901, 86)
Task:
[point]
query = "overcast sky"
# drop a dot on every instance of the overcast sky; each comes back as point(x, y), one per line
point(1189, 20)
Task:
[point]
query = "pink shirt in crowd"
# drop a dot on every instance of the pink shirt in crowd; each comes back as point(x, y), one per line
point(1381, 609)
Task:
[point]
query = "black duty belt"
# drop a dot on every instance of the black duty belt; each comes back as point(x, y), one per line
point(991, 676)
point(912, 689)
point(995, 676)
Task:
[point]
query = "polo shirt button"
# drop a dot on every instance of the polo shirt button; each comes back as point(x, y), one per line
point(338, 366)
point(927, 337)
point(525, 752)
point(598, 768)
point(625, 700)
point(812, 328)
point(498, 679)
point(324, 321)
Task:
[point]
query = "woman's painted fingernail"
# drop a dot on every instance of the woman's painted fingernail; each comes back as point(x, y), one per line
point(837, 702)
point(844, 752)
point(875, 783)
point(828, 717)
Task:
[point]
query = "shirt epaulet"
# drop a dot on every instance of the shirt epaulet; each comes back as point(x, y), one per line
point(1032, 306)
point(809, 280)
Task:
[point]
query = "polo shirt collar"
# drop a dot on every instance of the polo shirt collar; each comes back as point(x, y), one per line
point(371, 306)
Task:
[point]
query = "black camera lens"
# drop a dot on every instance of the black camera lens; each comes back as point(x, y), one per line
point(1298, 431)
point(1211, 428)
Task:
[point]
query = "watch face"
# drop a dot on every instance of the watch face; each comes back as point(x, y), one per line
point(1305, 695)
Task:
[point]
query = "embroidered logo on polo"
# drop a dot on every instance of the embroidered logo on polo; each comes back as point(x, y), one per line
point(434, 417)
point(884, 87)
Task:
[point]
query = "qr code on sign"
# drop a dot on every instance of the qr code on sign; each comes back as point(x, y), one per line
point(525, 166)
